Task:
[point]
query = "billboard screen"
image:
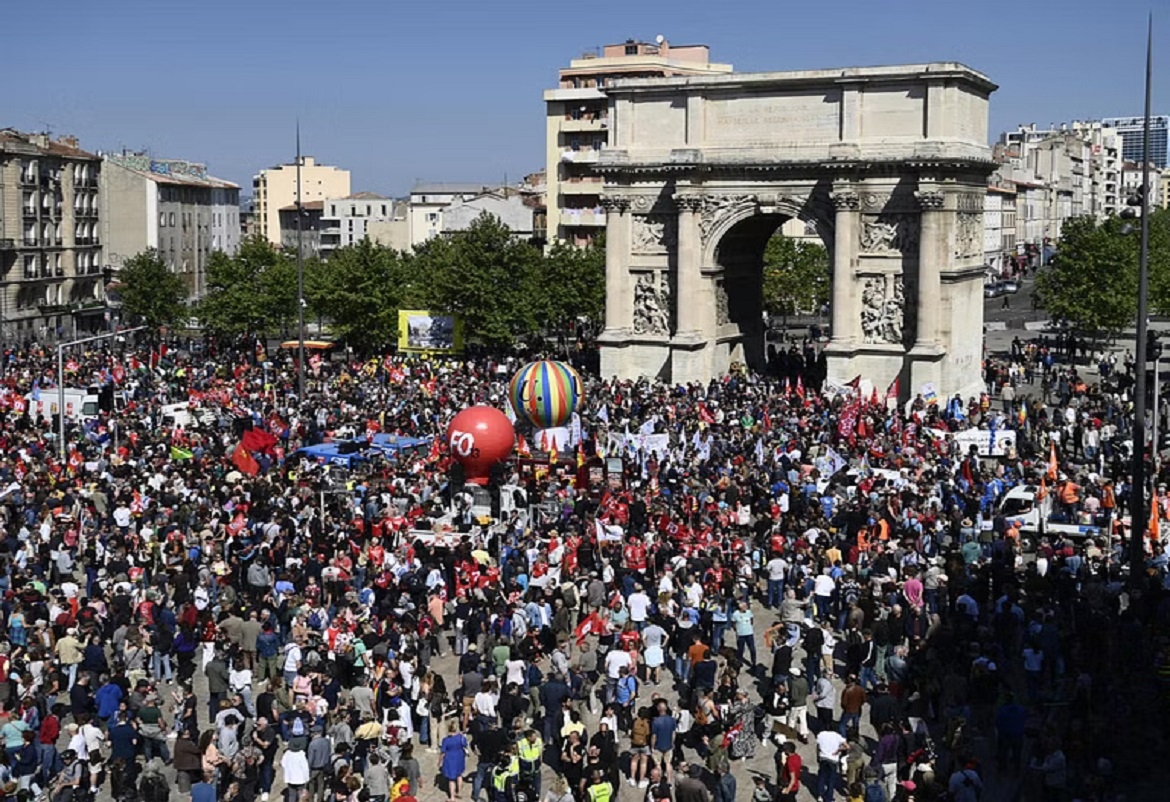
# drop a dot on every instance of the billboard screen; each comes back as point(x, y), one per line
point(421, 331)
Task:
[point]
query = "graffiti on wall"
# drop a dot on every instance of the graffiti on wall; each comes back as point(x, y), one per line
point(174, 167)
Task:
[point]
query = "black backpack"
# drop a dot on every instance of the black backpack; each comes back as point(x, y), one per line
point(154, 788)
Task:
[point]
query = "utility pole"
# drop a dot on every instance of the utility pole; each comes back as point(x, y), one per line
point(1138, 516)
point(300, 280)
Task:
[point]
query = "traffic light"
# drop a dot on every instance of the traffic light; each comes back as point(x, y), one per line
point(1135, 203)
point(1153, 346)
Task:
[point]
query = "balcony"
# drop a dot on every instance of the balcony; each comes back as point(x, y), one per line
point(7, 244)
point(581, 187)
point(582, 217)
point(583, 156)
point(30, 211)
point(28, 179)
point(575, 126)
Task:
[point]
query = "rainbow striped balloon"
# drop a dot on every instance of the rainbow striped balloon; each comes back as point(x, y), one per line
point(545, 393)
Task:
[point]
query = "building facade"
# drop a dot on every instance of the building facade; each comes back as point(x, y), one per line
point(172, 206)
point(50, 238)
point(426, 205)
point(509, 206)
point(577, 126)
point(345, 221)
point(312, 226)
point(1131, 130)
point(275, 189)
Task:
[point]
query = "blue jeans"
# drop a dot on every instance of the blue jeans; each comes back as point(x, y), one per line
point(827, 780)
point(868, 678)
point(482, 772)
point(160, 666)
point(775, 592)
point(267, 777)
point(717, 636)
point(849, 720)
point(748, 641)
point(822, 605)
point(682, 667)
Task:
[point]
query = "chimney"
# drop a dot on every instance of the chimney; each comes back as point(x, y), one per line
point(68, 140)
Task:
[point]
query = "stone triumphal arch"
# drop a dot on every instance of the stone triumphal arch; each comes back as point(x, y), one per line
point(889, 164)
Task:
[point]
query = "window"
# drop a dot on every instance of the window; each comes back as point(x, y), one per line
point(162, 219)
point(171, 219)
point(600, 81)
point(575, 143)
point(432, 217)
point(383, 210)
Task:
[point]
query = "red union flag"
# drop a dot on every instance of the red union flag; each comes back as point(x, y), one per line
point(72, 366)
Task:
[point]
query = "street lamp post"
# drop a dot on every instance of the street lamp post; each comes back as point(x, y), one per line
point(300, 280)
point(61, 378)
point(1138, 517)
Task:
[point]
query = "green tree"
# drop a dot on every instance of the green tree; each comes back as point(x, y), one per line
point(253, 292)
point(796, 275)
point(361, 288)
point(572, 284)
point(1093, 282)
point(151, 294)
point(486, 275)
point(1159, 260)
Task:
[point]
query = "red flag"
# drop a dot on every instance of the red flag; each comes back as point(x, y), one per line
point(258, 440)
point(705, 414)
point(75, 460)
point(1052, 463)
point(894, 390)
point(1154, 528)
point(855, 385)
point(522, 447)
point(119, 374)
point(72, 366)
point(787, 387)
point(593, 624)
point(873, 398)
point(767, 419)
point(237, 525)
point(243, 460)
point(800, 387)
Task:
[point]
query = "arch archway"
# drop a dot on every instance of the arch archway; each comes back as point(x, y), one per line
point(702, 171)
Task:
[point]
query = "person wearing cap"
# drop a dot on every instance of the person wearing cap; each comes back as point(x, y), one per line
point(70, 653)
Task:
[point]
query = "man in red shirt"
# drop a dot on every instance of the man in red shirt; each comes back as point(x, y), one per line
point(788, 765)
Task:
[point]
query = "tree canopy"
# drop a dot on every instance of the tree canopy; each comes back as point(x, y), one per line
point(151, 294)
point(1093, 280)
point(796, 275)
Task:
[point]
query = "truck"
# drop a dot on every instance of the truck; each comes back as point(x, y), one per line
point(80, 404)
point(1034, 517)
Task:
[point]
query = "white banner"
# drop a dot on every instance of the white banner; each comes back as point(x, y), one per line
point(658, 444)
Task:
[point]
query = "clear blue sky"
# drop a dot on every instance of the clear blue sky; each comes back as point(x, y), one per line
point(450, 90)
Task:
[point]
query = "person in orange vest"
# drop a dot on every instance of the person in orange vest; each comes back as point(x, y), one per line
point(1069, 496)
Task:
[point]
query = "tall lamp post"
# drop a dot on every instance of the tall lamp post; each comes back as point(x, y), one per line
point(300, 280)
point(1138, 516)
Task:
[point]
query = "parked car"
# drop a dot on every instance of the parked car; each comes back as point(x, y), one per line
point(1010, 286)
point(993, 290)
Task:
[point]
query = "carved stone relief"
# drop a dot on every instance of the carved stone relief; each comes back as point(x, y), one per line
point(651, 304)
point(654, 233)
point(882, 310)
point(968, 234)
point(887, 234)
point(715, 207)
point(722, 305)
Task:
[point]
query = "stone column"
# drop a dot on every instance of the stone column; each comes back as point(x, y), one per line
point(845, 316)
point(688, 302)
point(618, 298)
point(930, 256)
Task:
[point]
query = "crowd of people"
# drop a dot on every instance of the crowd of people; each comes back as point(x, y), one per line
point(791, 594)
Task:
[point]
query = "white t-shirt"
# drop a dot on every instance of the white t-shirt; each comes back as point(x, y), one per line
point(292, 657)
point(829, 744)
point(776, 569)
point(614, 660)
point(514, 672)
point(639, 604)
point(824, 585)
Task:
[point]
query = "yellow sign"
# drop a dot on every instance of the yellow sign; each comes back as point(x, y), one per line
point(424, 332)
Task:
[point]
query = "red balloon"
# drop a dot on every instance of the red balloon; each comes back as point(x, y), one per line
point(480, 437)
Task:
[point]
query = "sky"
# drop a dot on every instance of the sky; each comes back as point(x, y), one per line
point(450, 90)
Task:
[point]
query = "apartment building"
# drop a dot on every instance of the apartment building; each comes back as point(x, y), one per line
point(170, 205)
point(275, 189)
point(1132, 133)
point(577, 123)
point(50, 238)
point(344, 221)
